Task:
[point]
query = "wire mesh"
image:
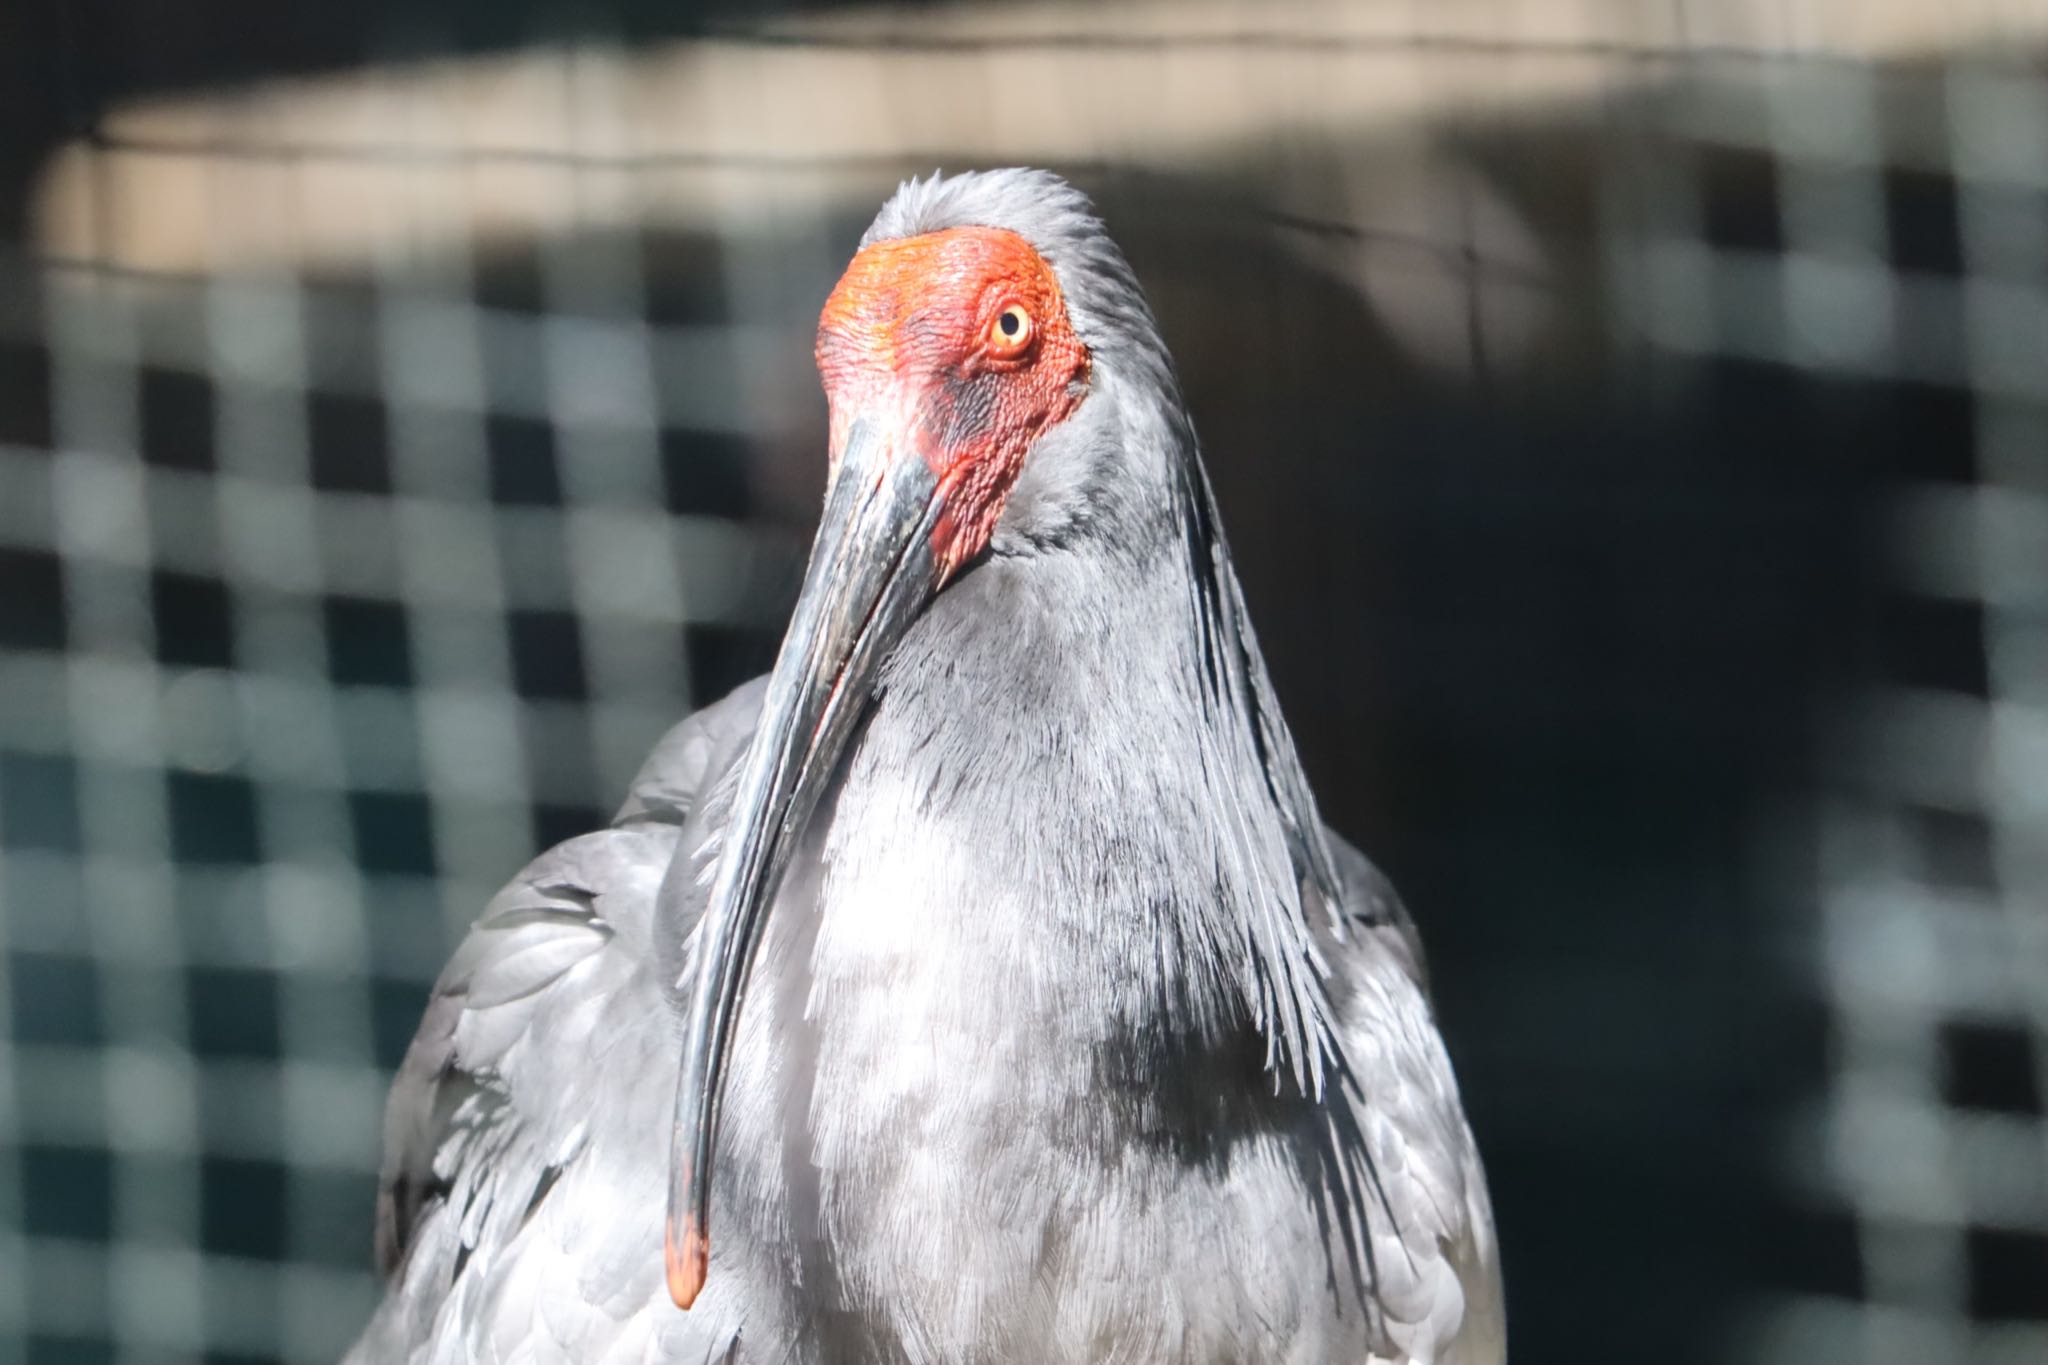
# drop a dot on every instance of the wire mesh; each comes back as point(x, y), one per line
point(387, 458)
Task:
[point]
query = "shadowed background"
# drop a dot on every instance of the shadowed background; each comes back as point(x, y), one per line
point(1631, 421)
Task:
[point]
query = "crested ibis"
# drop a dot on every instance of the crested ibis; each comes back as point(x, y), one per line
point(981, 985)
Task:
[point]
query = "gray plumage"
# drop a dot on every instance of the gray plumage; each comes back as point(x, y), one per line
point(1074, 1035)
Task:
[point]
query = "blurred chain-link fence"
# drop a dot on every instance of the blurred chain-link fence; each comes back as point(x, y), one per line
point(1633, 421)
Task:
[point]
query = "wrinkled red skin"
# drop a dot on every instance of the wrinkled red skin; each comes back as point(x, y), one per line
point(905, 340)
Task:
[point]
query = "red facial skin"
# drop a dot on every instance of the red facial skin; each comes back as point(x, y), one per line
point(909, 337)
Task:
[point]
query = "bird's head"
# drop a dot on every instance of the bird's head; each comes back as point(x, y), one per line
point(950, 350)
point(960, 341)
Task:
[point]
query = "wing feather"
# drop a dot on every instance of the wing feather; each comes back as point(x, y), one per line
point(511, 1091)
point(1437, 1274)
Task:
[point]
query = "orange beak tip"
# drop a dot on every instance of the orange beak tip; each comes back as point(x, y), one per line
point(687, 1257)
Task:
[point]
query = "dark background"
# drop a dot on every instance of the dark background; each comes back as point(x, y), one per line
point(1678, 665)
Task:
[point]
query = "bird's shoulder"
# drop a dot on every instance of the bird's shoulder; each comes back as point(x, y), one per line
point(1371, 922)
point(581, 916)
point(510, 1088)
point(1436, 1264)
point(686, 762)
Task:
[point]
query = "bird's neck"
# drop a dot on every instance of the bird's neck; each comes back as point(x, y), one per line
point(1068, 806)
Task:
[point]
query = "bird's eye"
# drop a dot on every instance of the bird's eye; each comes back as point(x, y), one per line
point(1009, 332)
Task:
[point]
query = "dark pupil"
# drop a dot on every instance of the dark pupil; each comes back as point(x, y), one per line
point(1009, 324)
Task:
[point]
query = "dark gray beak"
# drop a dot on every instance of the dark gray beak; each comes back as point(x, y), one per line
point(872, 571)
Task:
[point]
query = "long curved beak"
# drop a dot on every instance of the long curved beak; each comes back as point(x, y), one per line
point(871, 572)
